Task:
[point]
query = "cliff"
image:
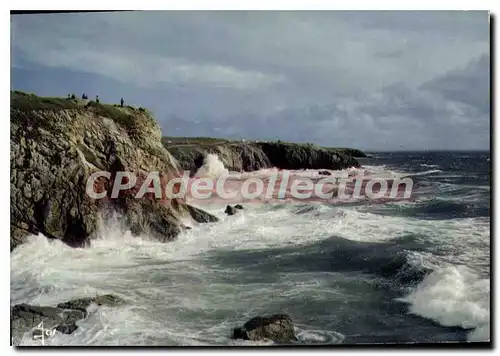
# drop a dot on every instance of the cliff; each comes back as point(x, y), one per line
point(57, 143)
point(255, 155)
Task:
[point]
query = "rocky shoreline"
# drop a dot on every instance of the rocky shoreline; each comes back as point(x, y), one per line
point(62, 318)
point(255, 155)
point(57, 143)
point(40, 323)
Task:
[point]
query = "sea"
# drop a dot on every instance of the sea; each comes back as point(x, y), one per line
point(355, 272)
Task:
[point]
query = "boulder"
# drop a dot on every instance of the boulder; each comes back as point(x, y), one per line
point(24, 317)
point(325, 173)
point(238, 206)
point(230, 210)
point(84, 303)
point(200, 216)
point(278, 328)
point(63, 318)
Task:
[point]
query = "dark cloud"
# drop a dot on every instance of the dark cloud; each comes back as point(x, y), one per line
point(373, 80)
point(470, 86)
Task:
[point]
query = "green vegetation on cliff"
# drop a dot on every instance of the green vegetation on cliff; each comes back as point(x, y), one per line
point(126, 116)
point(170, 141)
point(25, 101)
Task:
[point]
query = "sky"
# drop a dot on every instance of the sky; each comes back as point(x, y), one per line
point(374, 80)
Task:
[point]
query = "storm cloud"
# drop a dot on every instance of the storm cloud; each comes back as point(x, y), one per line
point(371, 80)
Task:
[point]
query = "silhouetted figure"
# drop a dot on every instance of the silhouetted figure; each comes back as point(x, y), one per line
point(121, 102)
point(84, 96)
point(73, 96)
point(97, 99)
point(69, 96)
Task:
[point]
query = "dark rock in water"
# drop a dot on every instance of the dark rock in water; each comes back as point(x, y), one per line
point(278, 328)
point(58, 315)
point(325, 173)
point(83, 303)
point(24, 317)
point(230, 210)
point(63, 318)
point(201, 216)
point(67, 328)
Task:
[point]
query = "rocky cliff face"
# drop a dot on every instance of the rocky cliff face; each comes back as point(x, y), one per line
point(56, 144)
point(235, 156)
point(305, 156)
point(252, 156)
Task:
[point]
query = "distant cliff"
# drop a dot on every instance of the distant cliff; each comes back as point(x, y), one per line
point(255, 155)
point(57, 143)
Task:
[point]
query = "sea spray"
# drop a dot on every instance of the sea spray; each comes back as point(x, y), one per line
point(323, 266)
point(212, 167)
point(454, 296)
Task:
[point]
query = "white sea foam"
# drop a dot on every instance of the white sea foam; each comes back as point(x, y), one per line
point(425, 173)
point(175, 298)
point(163, 283)
point(454, 296)
point(212, 167)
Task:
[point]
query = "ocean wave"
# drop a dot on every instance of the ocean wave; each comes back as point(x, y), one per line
point(429, 165)
point(212, 167)
point(183, 293)
point(454, 296)
point(425, 173)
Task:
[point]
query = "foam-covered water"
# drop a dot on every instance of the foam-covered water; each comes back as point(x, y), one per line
point(394, 272)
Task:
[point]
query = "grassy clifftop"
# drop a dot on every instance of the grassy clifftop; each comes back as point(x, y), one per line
point(170, 141)
point(126, 116)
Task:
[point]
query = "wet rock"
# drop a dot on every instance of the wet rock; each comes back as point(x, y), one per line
point(200, 216)
point(230, 210)
point(24, 317)
point(63, 318)
point(278, 328)
point(325, 173)
point(67, 328)
point(252, 156)
point(84, 303)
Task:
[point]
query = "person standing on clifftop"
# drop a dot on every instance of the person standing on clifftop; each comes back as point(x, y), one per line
point(97, 99)
point(121, 102)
